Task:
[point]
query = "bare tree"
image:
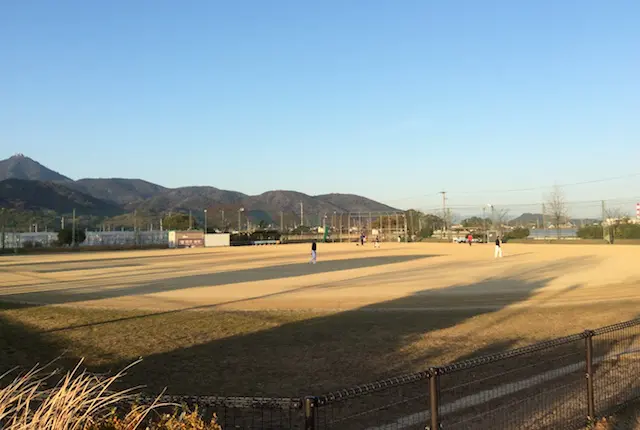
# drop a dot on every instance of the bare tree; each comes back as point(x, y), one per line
point(613, 218)
point(556, 208)
point(500, 218)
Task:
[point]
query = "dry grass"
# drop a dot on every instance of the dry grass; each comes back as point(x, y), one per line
point(277, 353)
point(627, 418)
point(79, 400)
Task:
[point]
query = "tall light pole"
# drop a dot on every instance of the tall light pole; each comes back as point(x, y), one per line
point(205, 221)
point(240, 219)
point(73, 229)
point(224, 227)
point(324, 225)
point(484, 224)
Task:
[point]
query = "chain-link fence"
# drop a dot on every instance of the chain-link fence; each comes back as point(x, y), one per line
point(562, 383)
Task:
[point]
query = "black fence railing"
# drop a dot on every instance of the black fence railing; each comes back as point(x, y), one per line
point(558, 384)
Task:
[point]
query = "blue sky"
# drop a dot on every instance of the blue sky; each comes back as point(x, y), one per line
point(391, 100)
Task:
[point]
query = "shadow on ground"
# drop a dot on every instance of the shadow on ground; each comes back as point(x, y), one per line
point(331, 351)
point(71, 295)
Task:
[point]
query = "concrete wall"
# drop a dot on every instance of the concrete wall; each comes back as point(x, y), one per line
point(217, 239)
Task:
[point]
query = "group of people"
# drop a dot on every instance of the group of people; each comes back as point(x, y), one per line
point(314, 247)
point(498, 249)
point(496, 254)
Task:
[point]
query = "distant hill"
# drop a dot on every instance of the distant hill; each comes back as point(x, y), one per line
point(118, 190)
point(116, 196)
point(527, 219)
point(187, 198)
point(354, 203)
point(21, 167)
point(29, 195)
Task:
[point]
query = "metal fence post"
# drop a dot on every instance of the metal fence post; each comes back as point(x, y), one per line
point(310, 404)
point(589, 375)
point(434, 400)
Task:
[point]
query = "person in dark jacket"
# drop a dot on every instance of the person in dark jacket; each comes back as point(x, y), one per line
point(314, 247)
point(498, 251)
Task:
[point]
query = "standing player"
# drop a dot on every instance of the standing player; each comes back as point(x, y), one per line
point(376, 243)
point(498, 251)
point(470, 238)
point(313, 252)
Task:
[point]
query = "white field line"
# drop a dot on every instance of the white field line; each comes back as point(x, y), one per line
point(495, 393)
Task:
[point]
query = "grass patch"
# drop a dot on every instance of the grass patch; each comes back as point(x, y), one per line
point(277, 353)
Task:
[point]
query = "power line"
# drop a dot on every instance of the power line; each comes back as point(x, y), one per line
point(516, 190)
point(618, 200)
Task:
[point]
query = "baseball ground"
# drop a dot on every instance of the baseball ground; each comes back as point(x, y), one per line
point(268, 322)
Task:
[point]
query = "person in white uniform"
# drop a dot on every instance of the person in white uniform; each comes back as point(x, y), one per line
point(498, 251)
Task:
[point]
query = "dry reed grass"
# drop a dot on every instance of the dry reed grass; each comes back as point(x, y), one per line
point(44, 399)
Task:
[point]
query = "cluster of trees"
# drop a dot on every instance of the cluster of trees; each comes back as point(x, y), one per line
point(179, 221)
point(517, 233)
point(617, 230)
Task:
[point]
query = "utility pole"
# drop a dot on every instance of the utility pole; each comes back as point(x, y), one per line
point(301, 214)
point(205, 221)
point(224, 227)
point(190, 220)
point(604, 221)
point(281, 221)
point(73, 229)
point(444, 209)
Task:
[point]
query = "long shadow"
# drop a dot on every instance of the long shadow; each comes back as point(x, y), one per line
point(23, 347)
point(101, 267)
point(323, 353)
point(67, 262)
point(326, 352)
point(71, 295)
point(198, 255)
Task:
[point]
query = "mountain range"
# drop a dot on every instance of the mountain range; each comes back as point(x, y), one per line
point(27, 185)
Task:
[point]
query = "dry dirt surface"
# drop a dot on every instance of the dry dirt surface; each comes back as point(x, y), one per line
point(394, 277)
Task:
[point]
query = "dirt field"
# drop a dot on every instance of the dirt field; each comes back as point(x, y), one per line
point(270, 323)
point(411, 276)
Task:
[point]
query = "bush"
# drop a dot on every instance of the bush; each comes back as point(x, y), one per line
point(65, 236)
point(517, 233)
point(425, 232)
point(83, 401)
point(265, 235)
point(620, 231)
point(590, 232)
point(627, 231)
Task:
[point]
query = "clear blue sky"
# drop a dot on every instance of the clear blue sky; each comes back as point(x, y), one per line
point(386, 99)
